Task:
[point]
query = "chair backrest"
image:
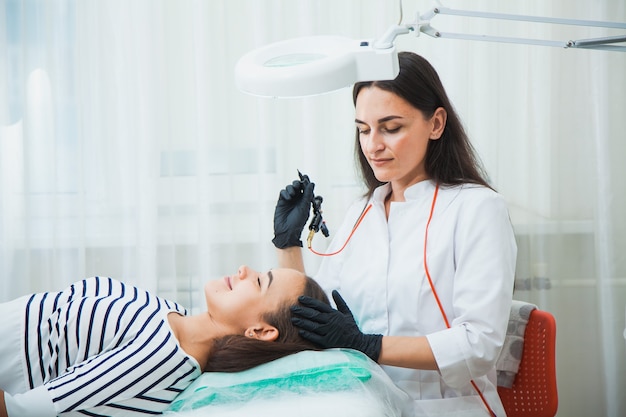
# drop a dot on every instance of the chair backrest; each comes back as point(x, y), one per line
point(534, 391)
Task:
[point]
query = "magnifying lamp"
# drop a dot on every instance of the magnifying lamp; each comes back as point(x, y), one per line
point(320, 64)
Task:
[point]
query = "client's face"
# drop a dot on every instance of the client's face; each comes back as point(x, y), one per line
point(236, 303)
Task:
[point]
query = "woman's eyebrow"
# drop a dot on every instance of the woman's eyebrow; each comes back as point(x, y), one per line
point(382, 120)
point(271, 277)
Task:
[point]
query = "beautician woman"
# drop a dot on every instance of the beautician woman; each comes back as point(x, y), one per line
point(428, 264)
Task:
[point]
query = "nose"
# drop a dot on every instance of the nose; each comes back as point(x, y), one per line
point(372, 143)
point(244, 272)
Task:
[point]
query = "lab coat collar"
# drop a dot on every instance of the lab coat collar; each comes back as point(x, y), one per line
point(414, 192)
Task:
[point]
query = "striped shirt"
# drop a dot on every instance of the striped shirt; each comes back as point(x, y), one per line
point(104, 348)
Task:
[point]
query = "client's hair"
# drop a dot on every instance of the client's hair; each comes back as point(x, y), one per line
point(234, 353)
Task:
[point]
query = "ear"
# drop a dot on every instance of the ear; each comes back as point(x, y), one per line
point(438, 121)
point(262, 332)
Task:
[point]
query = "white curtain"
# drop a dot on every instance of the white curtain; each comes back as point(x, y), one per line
point(126, 151)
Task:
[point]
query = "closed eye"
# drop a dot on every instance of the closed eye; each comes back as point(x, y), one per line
point(258, 280)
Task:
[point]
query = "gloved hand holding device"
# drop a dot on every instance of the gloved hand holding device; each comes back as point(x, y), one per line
point(330, 328)
point(292, 212)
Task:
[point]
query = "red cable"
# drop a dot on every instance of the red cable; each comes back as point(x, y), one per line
point(432, 287)
point(430, 281)
point(356, 225)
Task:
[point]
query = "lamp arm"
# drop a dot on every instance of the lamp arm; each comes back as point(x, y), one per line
point(386, 41)
point(422, 24)
point(526, 18)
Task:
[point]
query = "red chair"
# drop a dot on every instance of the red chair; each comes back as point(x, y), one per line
point(534, 391)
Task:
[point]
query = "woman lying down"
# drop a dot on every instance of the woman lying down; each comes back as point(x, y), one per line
point(104, 348)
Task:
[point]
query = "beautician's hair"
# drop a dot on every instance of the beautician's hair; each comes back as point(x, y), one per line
point(450, 160)
point(236, 353)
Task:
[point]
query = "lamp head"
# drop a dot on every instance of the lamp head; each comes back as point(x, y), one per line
point(313, 65)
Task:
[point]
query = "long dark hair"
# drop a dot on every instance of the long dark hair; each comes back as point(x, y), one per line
point(236, 353)
point(449, 160)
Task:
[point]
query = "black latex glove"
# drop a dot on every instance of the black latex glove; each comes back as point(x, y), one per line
point(330, 328)
point(291, 212)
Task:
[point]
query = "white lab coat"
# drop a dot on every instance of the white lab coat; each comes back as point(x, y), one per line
point(471, 258)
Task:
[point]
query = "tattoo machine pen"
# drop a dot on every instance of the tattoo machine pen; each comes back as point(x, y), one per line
point(317, 222)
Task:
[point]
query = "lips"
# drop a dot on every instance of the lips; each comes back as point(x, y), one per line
point(228, 283)
point(379, 162)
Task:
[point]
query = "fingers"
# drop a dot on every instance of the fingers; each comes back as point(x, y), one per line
point(290, 191)
point(341, 304)
point(307, 193)
point(296, 189)
point(296, 185)
point(307, 313)
point(308, 325)
point(305, 188)
point(312, 303)
point(316, 339)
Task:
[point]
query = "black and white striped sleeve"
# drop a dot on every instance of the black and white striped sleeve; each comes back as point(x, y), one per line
point(104, 348)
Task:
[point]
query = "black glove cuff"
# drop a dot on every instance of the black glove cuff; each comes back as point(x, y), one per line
point(373, 346)
point(284, 241)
